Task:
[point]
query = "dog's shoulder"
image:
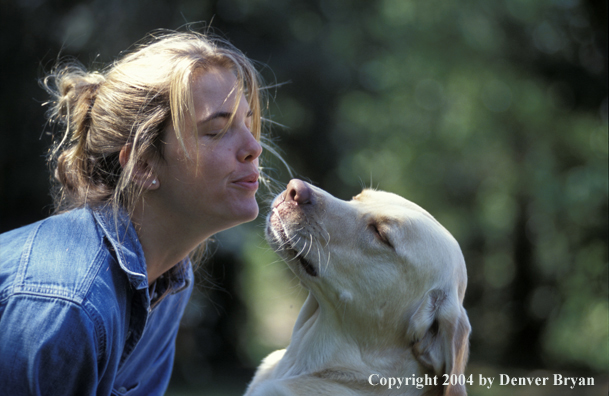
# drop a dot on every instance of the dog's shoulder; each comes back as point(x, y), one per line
point(264, 373)
point(301, 385)
point(330, 381)
point(265, 370)
point(344, 377)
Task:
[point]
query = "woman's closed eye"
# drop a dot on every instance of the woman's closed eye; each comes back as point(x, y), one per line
point(217, 124)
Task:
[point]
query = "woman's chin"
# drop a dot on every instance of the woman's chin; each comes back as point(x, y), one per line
point(246, 212)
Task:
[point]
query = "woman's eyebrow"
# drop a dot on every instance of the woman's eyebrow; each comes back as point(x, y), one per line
point(219, 114)
point(222, 114)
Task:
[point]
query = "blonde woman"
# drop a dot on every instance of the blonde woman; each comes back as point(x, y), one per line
point(160, 152)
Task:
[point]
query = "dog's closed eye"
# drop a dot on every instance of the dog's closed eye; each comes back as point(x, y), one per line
point(379, 234)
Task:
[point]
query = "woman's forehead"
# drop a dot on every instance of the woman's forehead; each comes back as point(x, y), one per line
point(216, 90)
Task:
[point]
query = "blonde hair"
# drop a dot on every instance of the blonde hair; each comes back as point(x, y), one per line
point(131, 103)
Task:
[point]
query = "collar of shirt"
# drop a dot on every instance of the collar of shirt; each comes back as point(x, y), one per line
point(121, 235)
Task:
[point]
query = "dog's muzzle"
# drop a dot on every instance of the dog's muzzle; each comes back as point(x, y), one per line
point(297, 196)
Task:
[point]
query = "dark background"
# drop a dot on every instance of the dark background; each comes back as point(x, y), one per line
point(490, 114)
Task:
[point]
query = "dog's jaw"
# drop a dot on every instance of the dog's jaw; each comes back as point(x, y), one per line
point(283, 244)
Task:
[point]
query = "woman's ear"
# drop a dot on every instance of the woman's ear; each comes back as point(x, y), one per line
point(142, 173)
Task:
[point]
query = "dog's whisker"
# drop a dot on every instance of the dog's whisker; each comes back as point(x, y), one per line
point(301, 251)
point(327, 240)
point(318, 247)
point(310, 245)
point(318, 253)
point(287, 245)
point(291, 242)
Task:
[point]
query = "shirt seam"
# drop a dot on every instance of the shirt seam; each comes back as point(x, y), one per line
point(76, 294)
point(99, 333)
point(24, 260)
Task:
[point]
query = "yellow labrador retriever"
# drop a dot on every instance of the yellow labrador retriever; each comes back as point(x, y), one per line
point(384, 315)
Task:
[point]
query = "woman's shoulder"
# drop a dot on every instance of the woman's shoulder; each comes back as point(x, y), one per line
point(60, 256)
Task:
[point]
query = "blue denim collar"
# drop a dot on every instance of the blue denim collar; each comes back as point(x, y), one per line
point(121, 234)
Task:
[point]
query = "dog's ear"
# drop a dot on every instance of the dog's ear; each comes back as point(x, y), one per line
point(439, 333)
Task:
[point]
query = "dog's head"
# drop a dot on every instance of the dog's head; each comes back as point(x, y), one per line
point(387, 271)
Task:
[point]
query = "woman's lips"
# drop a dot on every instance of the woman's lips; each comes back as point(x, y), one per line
point(249, 182)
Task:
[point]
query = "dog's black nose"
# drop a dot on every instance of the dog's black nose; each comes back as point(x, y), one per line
point(298, 191)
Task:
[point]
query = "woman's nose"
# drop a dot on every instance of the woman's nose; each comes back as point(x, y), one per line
point(251, 148)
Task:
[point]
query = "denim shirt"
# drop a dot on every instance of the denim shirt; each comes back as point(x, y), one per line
point(76, 315)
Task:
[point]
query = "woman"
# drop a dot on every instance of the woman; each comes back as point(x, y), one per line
point(160, 152)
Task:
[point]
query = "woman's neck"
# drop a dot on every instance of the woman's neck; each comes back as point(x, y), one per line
point(164, 240)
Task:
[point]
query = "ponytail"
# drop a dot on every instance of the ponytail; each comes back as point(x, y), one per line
point(73, 160)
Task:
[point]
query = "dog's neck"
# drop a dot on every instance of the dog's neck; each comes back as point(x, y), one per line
point(318, 349)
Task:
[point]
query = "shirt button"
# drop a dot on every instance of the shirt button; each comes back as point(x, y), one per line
point(122, 389)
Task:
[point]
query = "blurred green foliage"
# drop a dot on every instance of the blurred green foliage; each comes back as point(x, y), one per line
point(490, 114)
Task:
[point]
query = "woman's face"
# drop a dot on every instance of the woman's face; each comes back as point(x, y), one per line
point(215, 188)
